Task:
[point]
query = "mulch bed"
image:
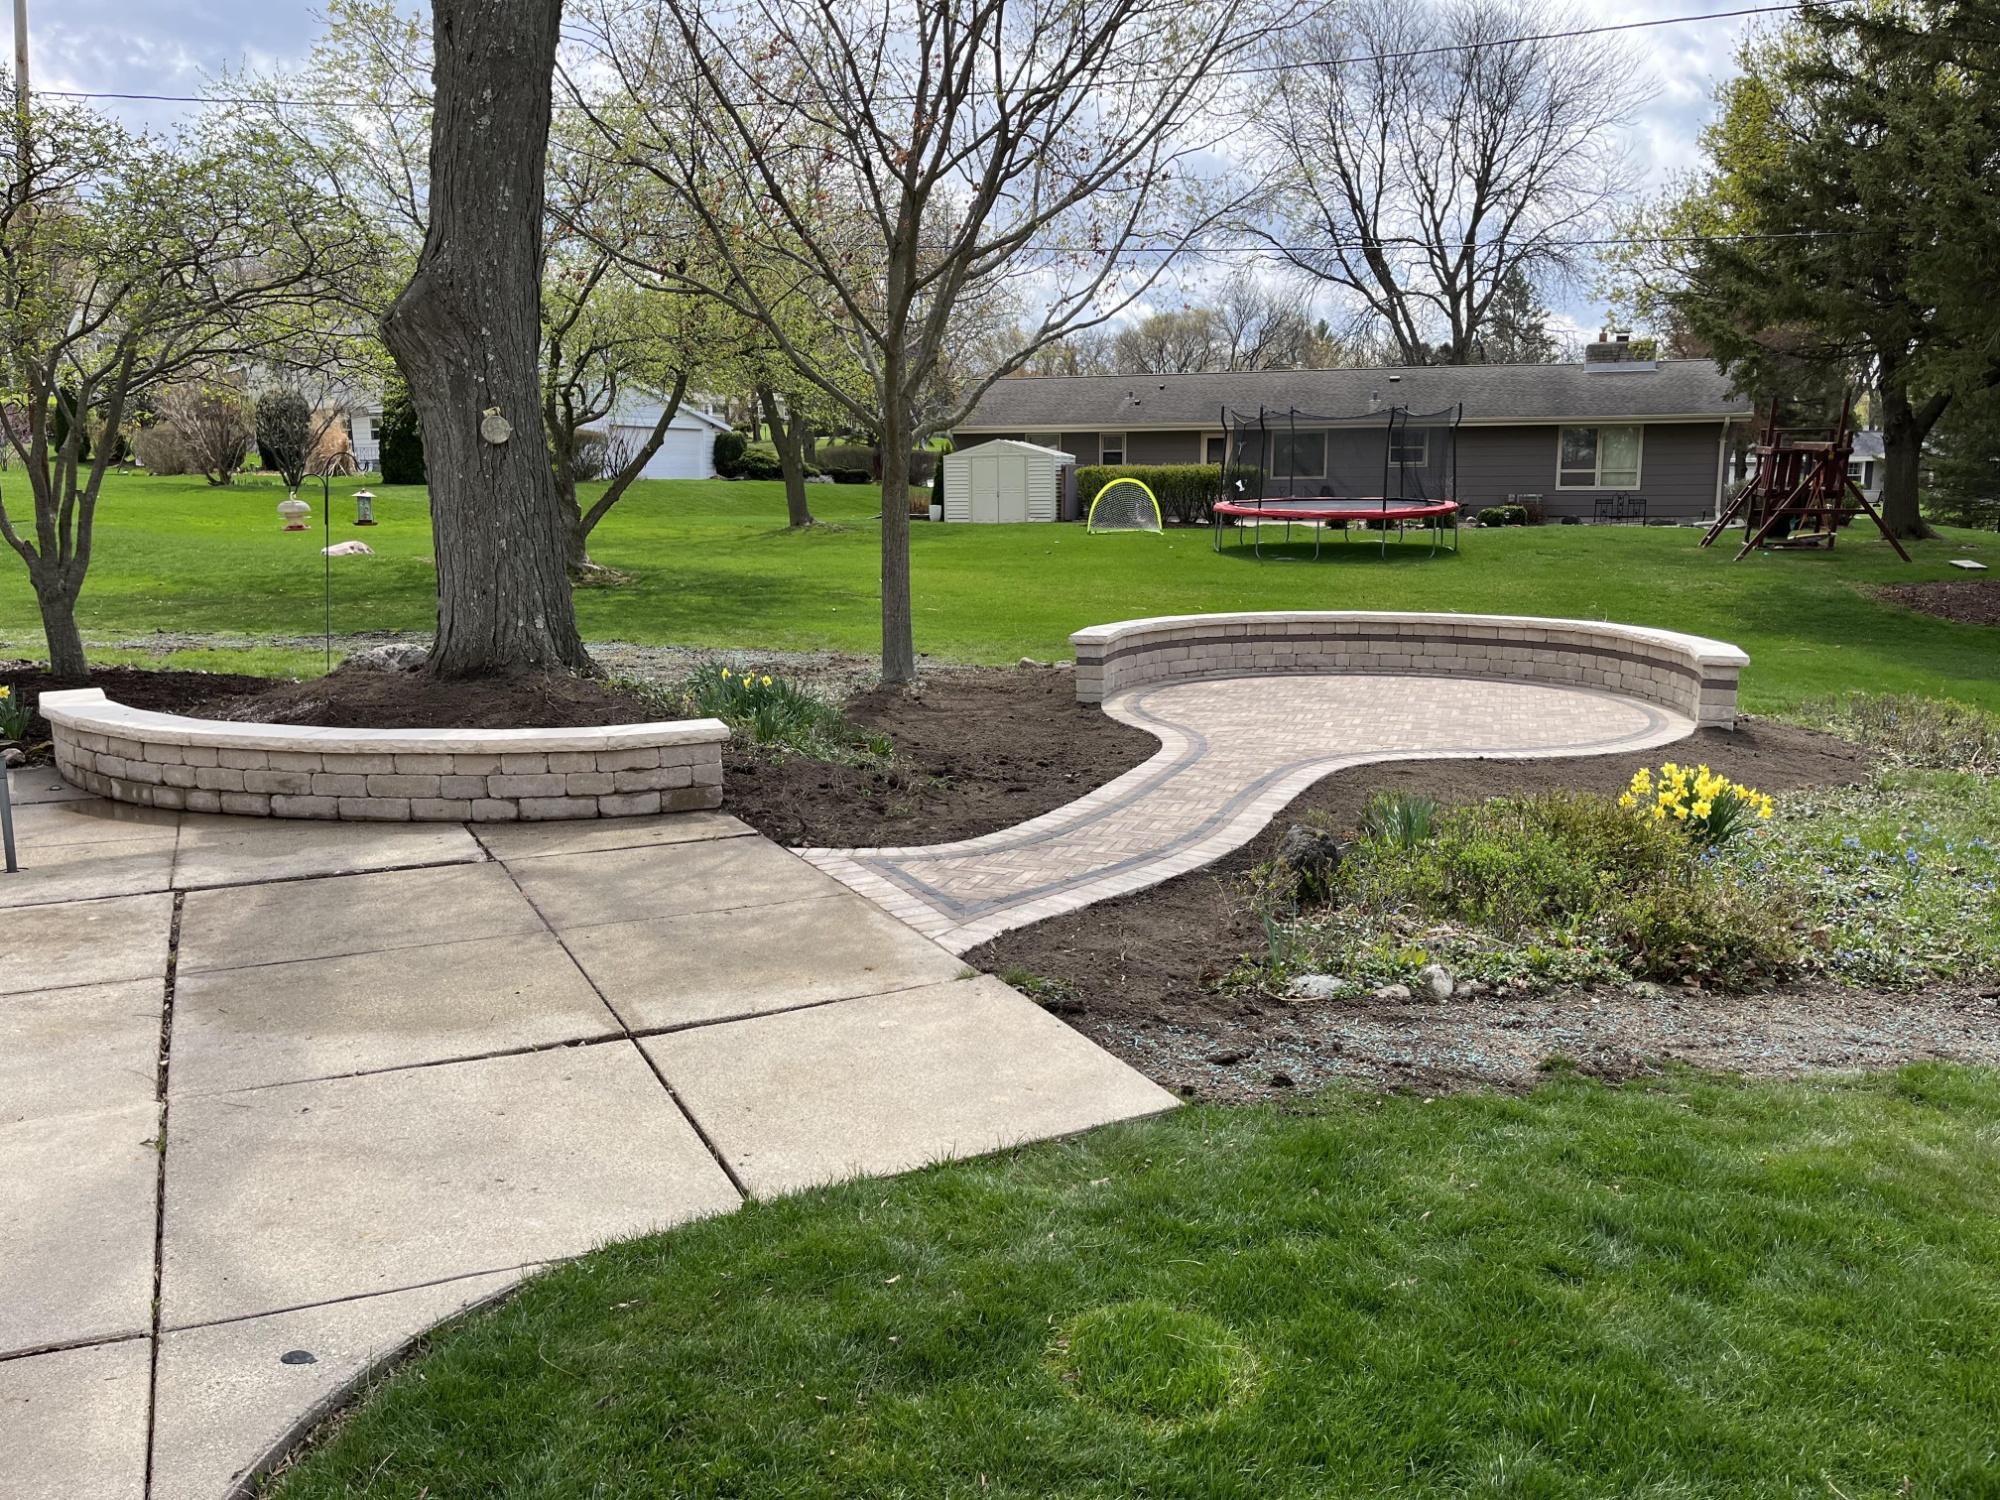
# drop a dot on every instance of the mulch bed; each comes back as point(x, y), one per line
point(1966, 601)
point(977, 750)
point(1139, 974)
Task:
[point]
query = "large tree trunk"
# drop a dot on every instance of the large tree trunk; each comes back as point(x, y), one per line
point(787, 436)
point(1904, 429)
point(466, 333)
point(899, 650)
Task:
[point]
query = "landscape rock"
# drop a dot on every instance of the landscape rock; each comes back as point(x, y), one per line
point(395, 658)
point(1393, 992)
point(1437, 979)
point(1319, 987)
point(1312, 855)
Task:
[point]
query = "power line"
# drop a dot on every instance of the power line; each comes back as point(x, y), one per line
point(1248, 70)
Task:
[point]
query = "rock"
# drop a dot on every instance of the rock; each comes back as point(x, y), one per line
point(389, 659)
point(347, 549)
point(1437, 979)
point(1393, 992)
point(13, 756)
point(1065, 666)
point(1313, 856)
point(1319, 987)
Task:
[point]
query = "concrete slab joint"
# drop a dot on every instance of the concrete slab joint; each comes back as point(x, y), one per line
point(383, 775)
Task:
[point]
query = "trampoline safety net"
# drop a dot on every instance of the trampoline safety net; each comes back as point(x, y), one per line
point(1383, 457)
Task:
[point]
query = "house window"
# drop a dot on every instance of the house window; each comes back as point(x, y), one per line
point(1217, 449)
point(1111, 448)
point(1862, 472)
point(1410, 450)
point(1598, 458)
point(1299, 455)
point(1046, 439)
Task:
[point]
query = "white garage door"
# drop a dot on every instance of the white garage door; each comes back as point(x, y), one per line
point(683, 454)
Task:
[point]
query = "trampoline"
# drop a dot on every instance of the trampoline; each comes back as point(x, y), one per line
point(1382, 468)
point(1255, 515)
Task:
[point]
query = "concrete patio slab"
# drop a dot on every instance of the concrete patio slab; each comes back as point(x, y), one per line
point(79, 1050)
point(52, 872)
point(709, 966)
point(227, 1397)
point(630, 885)
point(84, 942)
point(93, 822)
point(511, 841)
point(73, 1423)
point(76, 1227)
point(217, 850)
point(227, 928)
point(31, 785)
point(281, 1197)
point(893, 1082)
point(319, 1018)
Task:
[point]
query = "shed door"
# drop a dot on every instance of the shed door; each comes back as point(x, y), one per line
point(1013, 487)
point(985, 487)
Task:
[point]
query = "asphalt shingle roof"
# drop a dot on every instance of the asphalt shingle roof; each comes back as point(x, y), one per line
point(1490, 393)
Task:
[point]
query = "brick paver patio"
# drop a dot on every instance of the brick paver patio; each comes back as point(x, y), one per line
point(1233, 752)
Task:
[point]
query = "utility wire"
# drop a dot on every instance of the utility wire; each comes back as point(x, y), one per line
point(1246, 71)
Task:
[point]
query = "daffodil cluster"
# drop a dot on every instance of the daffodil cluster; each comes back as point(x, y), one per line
point(13, 715)
point(1711, 808)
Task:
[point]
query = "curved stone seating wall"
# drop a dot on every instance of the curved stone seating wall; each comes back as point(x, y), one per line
point(383, 775)
point(1686, 673)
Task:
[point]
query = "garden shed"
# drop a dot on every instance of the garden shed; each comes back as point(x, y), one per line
point(1007, 480)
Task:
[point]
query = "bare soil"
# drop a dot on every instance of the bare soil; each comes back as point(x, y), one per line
point(1967, 601)
point(1141, 975)
point(977, 750)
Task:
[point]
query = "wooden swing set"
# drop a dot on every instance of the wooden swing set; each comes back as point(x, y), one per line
point(1799, 494)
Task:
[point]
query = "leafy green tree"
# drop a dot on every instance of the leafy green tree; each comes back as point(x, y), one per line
point(129, 264)
point(1844, 226)
point(285, 434)
point(400, 437)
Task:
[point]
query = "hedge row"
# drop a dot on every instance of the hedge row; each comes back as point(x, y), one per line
point(1186, 492)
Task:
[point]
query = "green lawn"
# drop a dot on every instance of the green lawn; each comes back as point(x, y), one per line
point(713, 565)
point(1696, 1288)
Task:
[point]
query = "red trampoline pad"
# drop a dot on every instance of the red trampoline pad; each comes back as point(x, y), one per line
point(1338, 510)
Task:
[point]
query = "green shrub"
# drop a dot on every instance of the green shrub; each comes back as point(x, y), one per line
point(728, 455)
point(1504, 515)
point(759, 463)
point(1186, 492)
point(851, 476)
point(1705, 927)
point(837, 456)
point(400, 438)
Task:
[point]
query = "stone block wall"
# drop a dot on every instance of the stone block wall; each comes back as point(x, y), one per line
point(1689, 674)
point(478, 776)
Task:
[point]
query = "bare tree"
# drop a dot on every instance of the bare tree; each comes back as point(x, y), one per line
point(914, 158)
point(1429, 151)
point(213, 421)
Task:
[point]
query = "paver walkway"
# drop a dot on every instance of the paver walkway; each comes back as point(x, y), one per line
point(275, 1097)
point(1233, 752)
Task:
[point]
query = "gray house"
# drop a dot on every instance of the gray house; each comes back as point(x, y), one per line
point(1578, 437)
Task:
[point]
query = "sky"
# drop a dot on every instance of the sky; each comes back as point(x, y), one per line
point(172, 46)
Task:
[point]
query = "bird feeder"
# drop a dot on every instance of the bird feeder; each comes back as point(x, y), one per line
point(295, 511)
point(364, 507)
